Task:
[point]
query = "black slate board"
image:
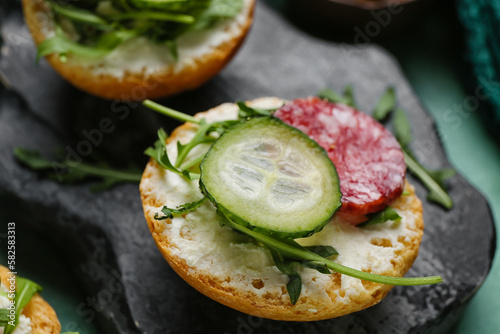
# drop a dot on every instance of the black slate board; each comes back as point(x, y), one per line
point(113, 253)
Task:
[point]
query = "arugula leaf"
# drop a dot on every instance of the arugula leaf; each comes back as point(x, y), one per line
point(150, 15)
point(78, 14)
point(62, 45)
point(349, 96)
point(200, 137)
point(174, 51)
point(385, 104)
point(225, 8)
point(289, 268)
point(332, 96)
point(112, 39)
point(216, 11)
point(323, 251)
point(68, 171)
point(432, 180)
point(402, 128)
point(181, 117)
point(25, 290)
point(381, 217)
point(287, 254)
point(32, 158)
point(180, 210)
point(317, 265)
point(4, 319)
point(436, 193)
point(247, 112)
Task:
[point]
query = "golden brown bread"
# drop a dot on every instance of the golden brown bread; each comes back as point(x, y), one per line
point(230, 269)
point(139, 85)
point(43, 317)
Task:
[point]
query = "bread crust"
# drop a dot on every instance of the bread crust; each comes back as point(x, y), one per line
point(43, 317)
point(274, 305)
point(137, 86)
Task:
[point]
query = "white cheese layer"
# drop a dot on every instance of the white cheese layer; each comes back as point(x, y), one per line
point(24, 324)
point(140, 55)
point(233, 257)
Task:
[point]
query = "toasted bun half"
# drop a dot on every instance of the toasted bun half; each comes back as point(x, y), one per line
point(227, 267)
point(139, 69)
point(42, 316)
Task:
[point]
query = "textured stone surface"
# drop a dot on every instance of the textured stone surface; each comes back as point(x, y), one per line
point(113, 252)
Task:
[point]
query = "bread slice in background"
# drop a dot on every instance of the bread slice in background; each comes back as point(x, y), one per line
point(231, 269)
point(127, 74)
point(42, 316)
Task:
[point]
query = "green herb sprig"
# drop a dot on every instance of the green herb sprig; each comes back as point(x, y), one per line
point(67, 171)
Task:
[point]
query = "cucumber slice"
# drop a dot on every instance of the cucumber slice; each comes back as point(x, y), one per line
point(271, 177)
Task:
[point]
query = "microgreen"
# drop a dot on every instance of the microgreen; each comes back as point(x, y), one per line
point(69, 171)
point(25, 290)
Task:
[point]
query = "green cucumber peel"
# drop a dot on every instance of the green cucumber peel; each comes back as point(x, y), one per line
point(265, 156)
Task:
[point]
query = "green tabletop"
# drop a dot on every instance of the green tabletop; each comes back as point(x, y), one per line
point(431, 57)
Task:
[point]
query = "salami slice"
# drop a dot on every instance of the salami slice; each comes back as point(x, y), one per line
point(368, 158)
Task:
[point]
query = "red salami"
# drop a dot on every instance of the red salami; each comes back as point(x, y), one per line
point(368, 158)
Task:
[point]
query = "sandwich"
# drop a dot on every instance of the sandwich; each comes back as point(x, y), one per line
point(23, 310)
point(289, 210)
point(137, 49)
